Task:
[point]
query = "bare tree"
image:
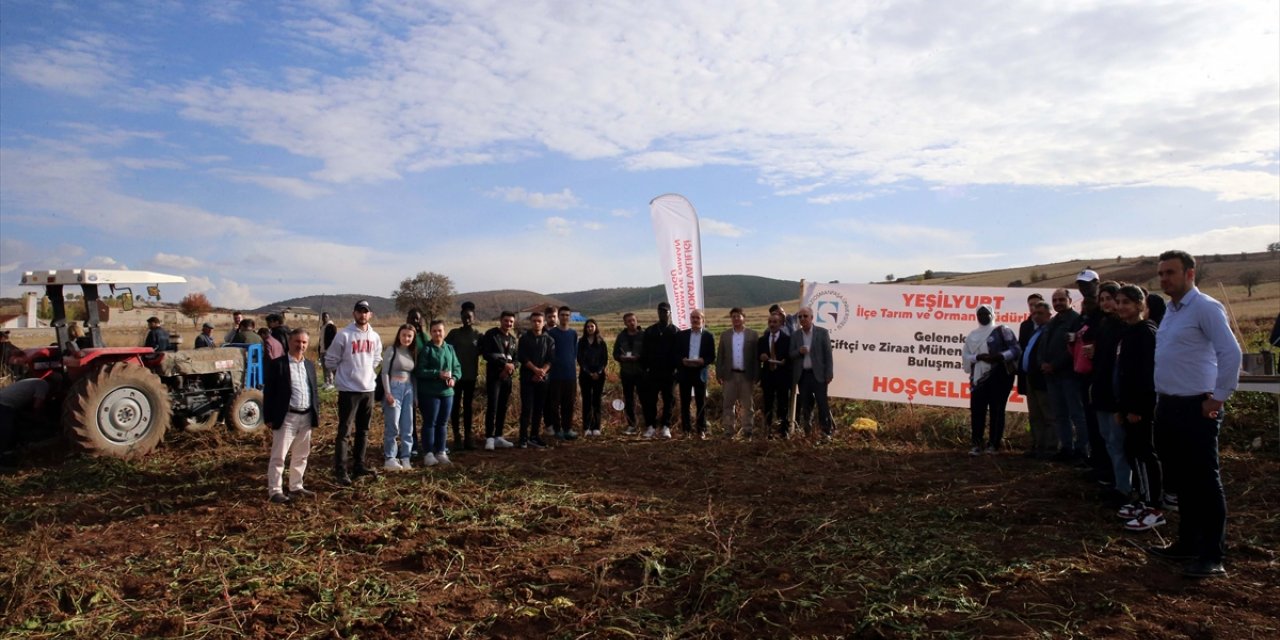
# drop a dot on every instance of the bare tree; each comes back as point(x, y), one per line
point(1250, 279)
point(429, 292)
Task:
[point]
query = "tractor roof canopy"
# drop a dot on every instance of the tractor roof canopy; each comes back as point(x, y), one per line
point(96, 276)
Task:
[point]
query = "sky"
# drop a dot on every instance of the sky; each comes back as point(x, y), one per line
point(267, 150)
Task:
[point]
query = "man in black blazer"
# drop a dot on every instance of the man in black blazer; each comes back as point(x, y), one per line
point(774, 348)
point(1025, 331)
point(693, 349)
point(290, 407)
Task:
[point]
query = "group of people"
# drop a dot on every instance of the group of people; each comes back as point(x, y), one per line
point(1128, 388)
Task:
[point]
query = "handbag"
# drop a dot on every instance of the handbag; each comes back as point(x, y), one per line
point(1081, 364)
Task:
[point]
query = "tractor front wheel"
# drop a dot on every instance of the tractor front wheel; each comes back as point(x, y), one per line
point(119, 410)
point(244, 415)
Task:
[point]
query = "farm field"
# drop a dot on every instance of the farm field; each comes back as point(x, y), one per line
point(889, 534)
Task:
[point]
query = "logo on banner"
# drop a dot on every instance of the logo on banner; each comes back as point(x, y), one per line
point(830, 309)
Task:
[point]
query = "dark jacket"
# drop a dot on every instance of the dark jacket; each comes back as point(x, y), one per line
point(633, 344)
point(1054, 349)
point(1025, 331)
point(656, 357)
point(592, 358)
point(157, 339)
point(1032, 379)
point(536, 349)
point(1105, 338)
point(466, 343)
point(277, 386)
point(680, 350)
point(1135, 387)
point(497, 349)
point(779, 373)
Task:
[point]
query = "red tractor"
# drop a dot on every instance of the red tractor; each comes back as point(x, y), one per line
point(118, 401)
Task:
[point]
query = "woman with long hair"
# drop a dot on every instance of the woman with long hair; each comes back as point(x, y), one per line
point(397, 399)
point(438, 370)
point(1135, 392)
point(593, 357)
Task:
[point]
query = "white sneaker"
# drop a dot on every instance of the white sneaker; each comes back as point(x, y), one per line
point(503, 442)
point(630, 431)
point(666, 432)
point(429, 460)
point(648, 433)
point(405, 464)
point(391, 464)
point(488, 444)
point(443, 458)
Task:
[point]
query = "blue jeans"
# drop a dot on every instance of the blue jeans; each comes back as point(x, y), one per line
point(435, 419)
point(1068, 412)
point(1113, 434)
point(398, 420)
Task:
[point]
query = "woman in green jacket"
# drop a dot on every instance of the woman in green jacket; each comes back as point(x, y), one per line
point(438, 368)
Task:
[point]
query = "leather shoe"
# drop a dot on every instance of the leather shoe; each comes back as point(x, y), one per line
point(302, 493)
point(342, 478)
point(1171, 552)
point(362, 472)
point(279, 498)
point(1204, 569)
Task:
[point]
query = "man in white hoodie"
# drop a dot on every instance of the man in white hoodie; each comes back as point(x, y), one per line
point(353, 356)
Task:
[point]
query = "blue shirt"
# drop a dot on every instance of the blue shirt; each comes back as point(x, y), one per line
point(1026, 355)
point(1195, 350)
point(564, 364)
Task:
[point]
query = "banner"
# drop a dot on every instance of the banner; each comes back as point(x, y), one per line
point(675, 225)
point(901, 343)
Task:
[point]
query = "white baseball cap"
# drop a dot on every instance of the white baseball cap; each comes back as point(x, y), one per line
point(1088, 275)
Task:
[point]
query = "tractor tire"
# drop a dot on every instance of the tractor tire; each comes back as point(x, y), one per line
point(119, 410)
point(197, 424)
point(244, 414)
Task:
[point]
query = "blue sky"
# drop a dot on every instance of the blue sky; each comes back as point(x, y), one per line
point(267, 150)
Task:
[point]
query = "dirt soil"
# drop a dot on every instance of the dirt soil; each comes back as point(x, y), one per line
point(616, 537)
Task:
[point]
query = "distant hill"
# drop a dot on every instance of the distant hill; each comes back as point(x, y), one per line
point(338, 305)
point(488, 303)
point(722, 291)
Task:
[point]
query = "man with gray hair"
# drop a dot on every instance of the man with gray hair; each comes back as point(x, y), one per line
point(1063, 383)
point(813, 372)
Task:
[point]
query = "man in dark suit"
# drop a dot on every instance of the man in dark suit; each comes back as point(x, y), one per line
point(693, 349)
point(290, 407)
point(812, 371)
point(1031, 383)
point(774, 348)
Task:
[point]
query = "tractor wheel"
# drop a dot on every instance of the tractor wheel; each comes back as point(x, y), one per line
point(244, 415)
point(119, 410)
point(197, 423)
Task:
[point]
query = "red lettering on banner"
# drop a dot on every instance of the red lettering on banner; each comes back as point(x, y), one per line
point(912, 387)
point(942, 300)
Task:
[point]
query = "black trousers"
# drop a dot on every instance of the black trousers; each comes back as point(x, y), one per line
point(814, 392)
point(658, 385)
point(497, 395)
point(533, 406)
point(1190, 455)
point(563, 394)
point(991, 396)
point(592, 395)
point(1139, 447)
point(777, 401)
point(630, 389)
point(464, 395)
point(354, 407)
point(692, 387)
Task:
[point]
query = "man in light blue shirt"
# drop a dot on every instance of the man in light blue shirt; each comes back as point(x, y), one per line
point(1197, 368)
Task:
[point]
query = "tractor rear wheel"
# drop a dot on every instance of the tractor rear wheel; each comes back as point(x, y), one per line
point(119, 410)
point(244, 414)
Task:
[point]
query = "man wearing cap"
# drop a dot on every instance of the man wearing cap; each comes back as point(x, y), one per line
point(157, 337)
point(355, 353)
point(466, 344)
point(659, 373)
point(1197, 367)
point(205, 339)
point(1091, 319)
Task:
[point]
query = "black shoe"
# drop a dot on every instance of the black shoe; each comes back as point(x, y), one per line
point(364, 471)
point(1171, 552)
point(523, 444)
point(342, 478)
point(302, 493)
point(537, 443)
point(1204, 569)
point(279, 498)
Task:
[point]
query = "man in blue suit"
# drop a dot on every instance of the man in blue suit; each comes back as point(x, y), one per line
point(693, 349)
point(812, 362)
point(290, 407)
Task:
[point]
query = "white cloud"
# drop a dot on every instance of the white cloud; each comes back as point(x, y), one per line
point(171, 261)
point(593, 226)
point(84, 64)
point(713, 227)
point(557, 225)
point(833, 198)
point(1225, 240)
point(563, 200)
point(621, 213)
point(295, 187)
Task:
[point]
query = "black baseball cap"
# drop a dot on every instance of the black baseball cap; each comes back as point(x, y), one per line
point(363, 305)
